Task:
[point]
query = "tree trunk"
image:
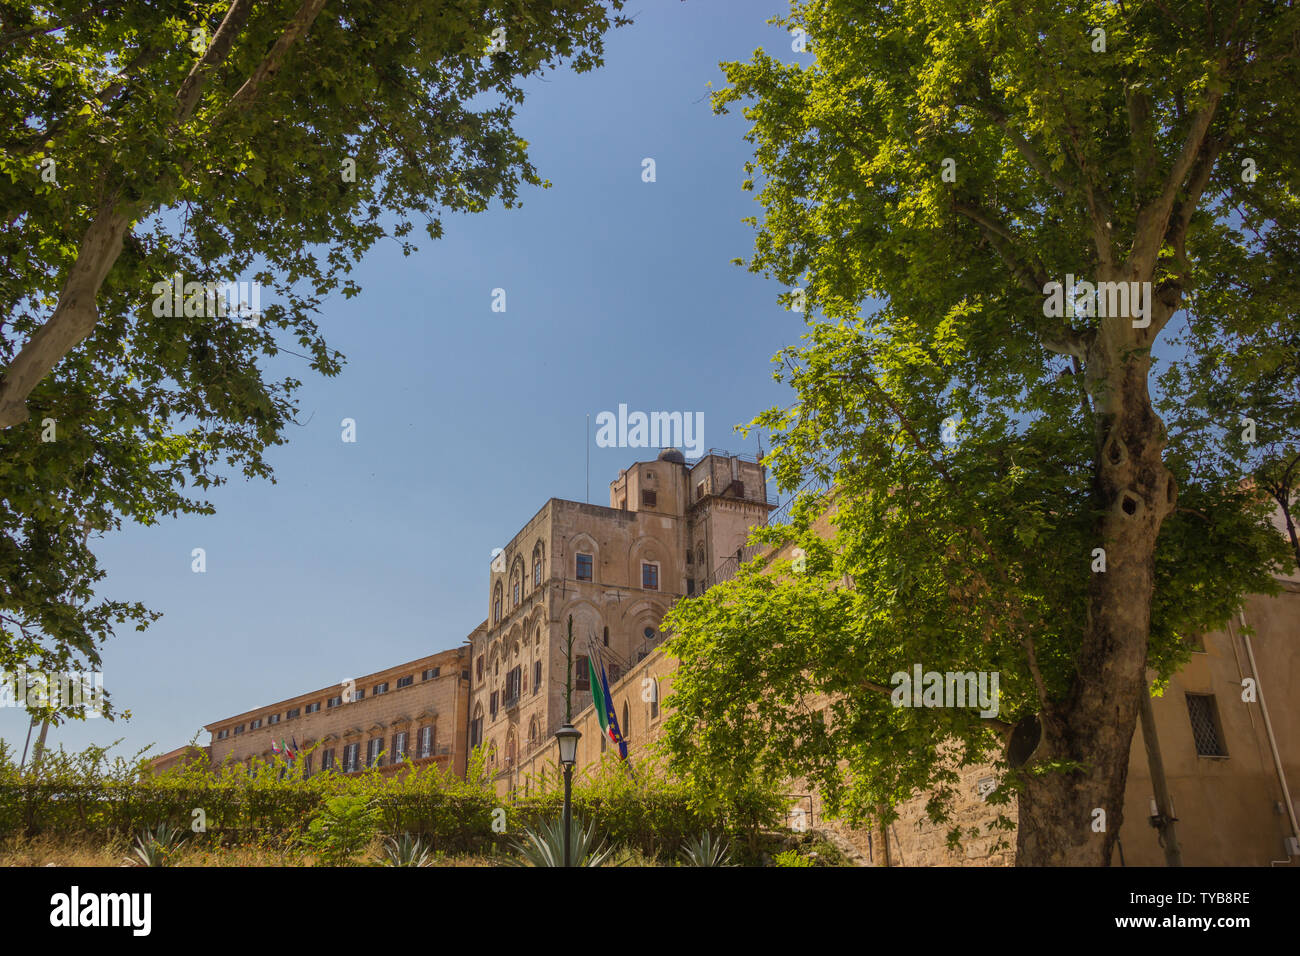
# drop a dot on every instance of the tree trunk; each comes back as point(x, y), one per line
point(74, 317)
point(1092, 729)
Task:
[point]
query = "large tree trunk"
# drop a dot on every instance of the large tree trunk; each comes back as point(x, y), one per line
point(74, 317)
point(1093, 728)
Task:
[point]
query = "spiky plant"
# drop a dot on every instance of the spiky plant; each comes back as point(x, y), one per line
point(405, 850)
point(544, 845)
point(157, 847)
point(704, 850)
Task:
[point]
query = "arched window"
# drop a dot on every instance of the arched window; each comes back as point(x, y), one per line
point(699, 558)
point(532, 733)
point(514, 593)
point(607, 637)
point(496, 604)
point(627, 726)
point(654, 699)
point(537, 564)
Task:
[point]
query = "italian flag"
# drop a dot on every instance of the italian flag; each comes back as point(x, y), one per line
point(600, 701)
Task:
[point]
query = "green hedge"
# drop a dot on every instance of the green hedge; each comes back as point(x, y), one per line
point(273, 805)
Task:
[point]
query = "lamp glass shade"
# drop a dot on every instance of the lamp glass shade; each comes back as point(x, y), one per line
point(568, 737)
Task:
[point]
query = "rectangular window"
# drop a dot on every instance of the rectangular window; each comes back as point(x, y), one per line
point(512, 685)
point(690, 585)
point(399, 746)
point(223, 734)
point(699, 491)
point(335, 701)
point(350, 754)
point(475, 732)
point(360, 694)
point(650, 576)
point(426, 742)
point(313, 708)
point(581, 673)
point(480, 667)
point(239, 730)
point(306, 765)
point(537, 676)
point(255, 724)
point(327, 759)
point(648, 499)
point(516, 594)
point(405, 681)
point(492, 705)
point(380, 689)
point(537, 572)
point(431, 673)
point(374, 748)
point(290, 714)
point(273, 719)
point(1204, 715)
point(584, 567)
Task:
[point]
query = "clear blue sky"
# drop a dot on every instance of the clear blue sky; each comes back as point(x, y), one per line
point(618, 291)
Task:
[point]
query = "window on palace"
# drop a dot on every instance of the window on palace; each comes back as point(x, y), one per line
point(650, 576)
point(313, 708)
point(584, 567)
point(1206, 730)
point(537, 676)
point(581, 673)
point(399, 745)
point(405, 681)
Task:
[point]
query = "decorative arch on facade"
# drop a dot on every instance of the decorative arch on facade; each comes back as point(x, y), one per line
point(585, 544)
point(537, 567)
point(532, 732)
point(647, 548)
point(496, 603)
point(512, 747)
point(516, 582)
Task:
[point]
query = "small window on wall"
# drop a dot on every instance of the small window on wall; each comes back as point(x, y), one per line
point(627, 723)
point(537, 676)
point(584, 567)
point(654, 699)
point(699, 491)
point(405, 681)
point(690, 585)
point(650, 576)
point(581, 673)
point(690, 556)
point(648, 499)
point(606, 637)
point(537, 571)
point(1206, 730)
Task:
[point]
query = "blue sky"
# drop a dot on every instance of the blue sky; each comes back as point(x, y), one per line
point(467, 420)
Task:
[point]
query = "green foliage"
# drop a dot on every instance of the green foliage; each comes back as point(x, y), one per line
point(967, 554)
point(543, 845)
point(646, 816)
point(791, 858)
point(342, 828)
point(244, 179)
point(159, 846)
point(706, 850)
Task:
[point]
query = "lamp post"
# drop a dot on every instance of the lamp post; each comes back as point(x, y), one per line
point(567, 737)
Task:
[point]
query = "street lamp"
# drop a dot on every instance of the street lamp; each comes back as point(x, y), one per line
point(567, 737)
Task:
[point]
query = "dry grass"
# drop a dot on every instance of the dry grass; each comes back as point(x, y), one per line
point(56, 850)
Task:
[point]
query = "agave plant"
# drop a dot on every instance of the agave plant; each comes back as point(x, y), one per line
point(405, 850)
point(706, 851)
point(544, 846)
point(159, 846)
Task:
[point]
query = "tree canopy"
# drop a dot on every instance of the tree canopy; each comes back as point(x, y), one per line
point(1008, 498)
point(272, 142)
